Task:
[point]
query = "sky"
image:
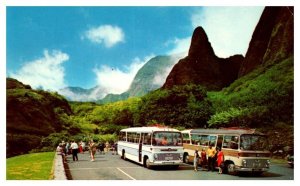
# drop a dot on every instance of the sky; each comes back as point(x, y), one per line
point(56, 47)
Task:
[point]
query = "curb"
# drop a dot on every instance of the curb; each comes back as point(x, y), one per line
point(59, 170)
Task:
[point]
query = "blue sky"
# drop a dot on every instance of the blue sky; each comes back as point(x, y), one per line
point(55, 47)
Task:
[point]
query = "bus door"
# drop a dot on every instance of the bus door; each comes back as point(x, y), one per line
point(140, 146)
point(220, 141)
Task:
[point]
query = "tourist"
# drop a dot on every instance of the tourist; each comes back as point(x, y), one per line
point(93, 148)
point(203, 159)
point(196, 160)
point(211, 154)
point(74, 147)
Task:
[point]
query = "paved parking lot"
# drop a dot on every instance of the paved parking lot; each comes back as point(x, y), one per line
point(112, 167)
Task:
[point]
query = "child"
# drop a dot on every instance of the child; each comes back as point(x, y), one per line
point(196, 160)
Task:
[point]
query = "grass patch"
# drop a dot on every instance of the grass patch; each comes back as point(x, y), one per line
point(36, 166)
point(279, 161)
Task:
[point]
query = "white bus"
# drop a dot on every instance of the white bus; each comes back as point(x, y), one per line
point(151, 146)
point(245, 150)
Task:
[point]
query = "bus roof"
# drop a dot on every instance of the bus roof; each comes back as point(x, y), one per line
point(149, 129)
point(234, 131)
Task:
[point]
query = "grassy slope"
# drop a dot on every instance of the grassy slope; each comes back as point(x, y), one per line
point(37, 166)
point(263, 99)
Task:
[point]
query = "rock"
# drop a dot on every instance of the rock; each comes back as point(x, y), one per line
point(203, 67)
point(272, 40)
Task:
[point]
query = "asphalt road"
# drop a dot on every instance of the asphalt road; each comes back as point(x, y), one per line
point(112, 167)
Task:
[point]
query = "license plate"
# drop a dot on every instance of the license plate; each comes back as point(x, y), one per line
point(169, 158)
point(169, 163)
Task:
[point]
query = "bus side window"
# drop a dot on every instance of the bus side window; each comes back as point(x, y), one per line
point(230, 142)
point(146, 138)
point(186, 138)
point(212, 140)
point(234, 142)
point(204, 140)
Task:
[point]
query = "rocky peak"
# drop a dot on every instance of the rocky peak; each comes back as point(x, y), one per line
point(203, 67)
point(200, 44)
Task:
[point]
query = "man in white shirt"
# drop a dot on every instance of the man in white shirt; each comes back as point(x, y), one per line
point(74, 148)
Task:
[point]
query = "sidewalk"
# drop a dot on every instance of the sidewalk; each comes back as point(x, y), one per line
point(59, 170)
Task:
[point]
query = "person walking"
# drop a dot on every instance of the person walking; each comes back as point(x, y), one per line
point(196, 160)
point(211, 154)
point(220, 160)
point(93, 148)
point(74, 147)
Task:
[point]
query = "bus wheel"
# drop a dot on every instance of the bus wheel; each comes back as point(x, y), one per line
point(147, 163)
point(230, 168)
point(186, 158)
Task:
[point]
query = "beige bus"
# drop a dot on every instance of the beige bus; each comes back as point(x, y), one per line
point(245, 150)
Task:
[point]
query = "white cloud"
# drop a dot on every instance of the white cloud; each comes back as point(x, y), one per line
point(229, 29)
point(161, 76)
point(46, 72)
point(105, 34)
point(92, 95)
point(181, 46)
point(118, 81)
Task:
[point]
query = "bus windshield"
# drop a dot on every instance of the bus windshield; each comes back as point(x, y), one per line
point(253, 142)
point(162, 138)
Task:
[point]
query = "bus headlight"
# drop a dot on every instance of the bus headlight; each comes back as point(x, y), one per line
point(155, 156)
point(244, 163)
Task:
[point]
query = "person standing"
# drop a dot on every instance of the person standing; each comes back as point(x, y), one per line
point(80, 147)
point(67, 148)
point(211, 154)
point(74, 147)
point(107, 146)
point(93, 148)
point(220, 160)
point(203, 159)
point(196, 160)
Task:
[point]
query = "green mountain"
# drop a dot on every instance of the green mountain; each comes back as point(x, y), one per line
point(150, 77)
point(30, 115)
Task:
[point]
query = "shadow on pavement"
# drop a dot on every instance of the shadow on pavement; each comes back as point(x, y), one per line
point(67, 171)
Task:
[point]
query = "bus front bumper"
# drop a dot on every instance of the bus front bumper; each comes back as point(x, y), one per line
point(162, 163)
point(250, 169)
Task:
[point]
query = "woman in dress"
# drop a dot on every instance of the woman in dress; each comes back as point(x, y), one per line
point(220, 160)
point(203, 159)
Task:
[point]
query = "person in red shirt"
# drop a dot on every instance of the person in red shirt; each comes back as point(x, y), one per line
point(220, 160)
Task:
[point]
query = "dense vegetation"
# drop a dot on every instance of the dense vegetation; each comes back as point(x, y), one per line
point(32, 114)
point(257, 100)
point(263, 99)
